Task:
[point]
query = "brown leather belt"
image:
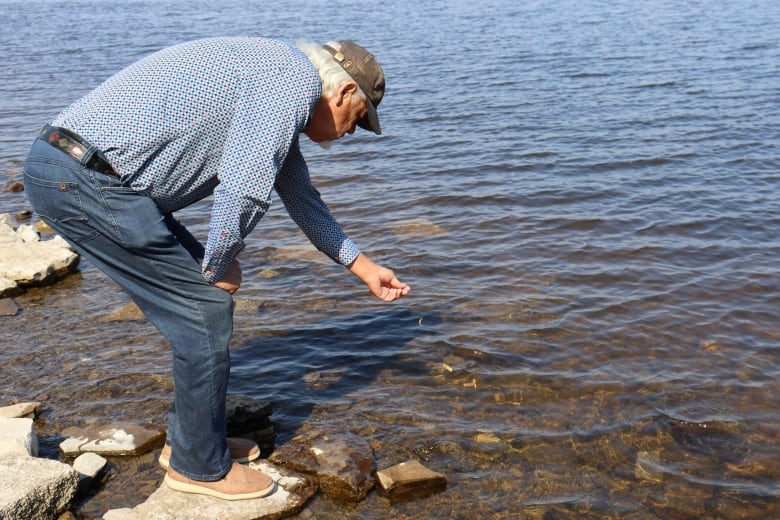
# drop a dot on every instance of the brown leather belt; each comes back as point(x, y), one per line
point(76, 147)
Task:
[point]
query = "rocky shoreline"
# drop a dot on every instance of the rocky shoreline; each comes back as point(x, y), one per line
point(340, 465)
point(336, 464)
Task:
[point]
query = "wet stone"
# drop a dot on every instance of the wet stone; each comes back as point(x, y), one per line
point(129, 312)
point(8, 307)
point(648, 466)
point(43, 227)
point(410, 478)
point(247, 306)
point(14, 187)
point(21, 216)
point(343, 462)
point(117, 439)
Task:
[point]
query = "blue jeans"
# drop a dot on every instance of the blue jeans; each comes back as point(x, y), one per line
point(156, 260)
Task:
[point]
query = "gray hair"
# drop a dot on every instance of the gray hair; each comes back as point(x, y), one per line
point(331, 73)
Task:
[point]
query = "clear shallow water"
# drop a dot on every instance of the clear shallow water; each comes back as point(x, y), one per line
point(584, 198)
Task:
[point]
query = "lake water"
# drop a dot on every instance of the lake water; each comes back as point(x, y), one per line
point(583, 196)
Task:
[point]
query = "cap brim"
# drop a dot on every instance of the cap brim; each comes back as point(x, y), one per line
point(371, 121)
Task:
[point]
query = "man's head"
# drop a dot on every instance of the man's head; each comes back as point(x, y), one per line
point(353, 85)
point(365, 70)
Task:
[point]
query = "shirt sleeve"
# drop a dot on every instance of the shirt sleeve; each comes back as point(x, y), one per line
point(309, 212)
point(265, 123)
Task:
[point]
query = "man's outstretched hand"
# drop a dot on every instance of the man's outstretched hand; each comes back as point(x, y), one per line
point(380, 281)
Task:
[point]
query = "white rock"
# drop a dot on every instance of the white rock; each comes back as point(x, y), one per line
point(26, 410)
point(35, 488)
point(27, 260)
point(7, 286)
point(27, 233)
point(89, 464)
point(17, 437)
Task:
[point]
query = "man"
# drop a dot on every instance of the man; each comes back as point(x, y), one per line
point(218, 116)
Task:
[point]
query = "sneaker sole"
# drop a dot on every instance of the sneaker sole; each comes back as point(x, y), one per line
point(165, 462)
point(185, 487)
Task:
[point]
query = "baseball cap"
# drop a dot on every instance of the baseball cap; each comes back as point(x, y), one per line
point(365, 70)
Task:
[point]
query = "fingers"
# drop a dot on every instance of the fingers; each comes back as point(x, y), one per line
point(393, 291)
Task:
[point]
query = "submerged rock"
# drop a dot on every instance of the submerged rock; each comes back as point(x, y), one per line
point(343, 462)
point(129, 312)
point(8, 307)
point(410, 478)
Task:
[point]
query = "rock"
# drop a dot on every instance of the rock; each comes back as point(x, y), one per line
point(246, 306)
point(8, 307)
point(23, 215)
point(292, 493)
point(35, 488)
point(417, 227)
point(21, 410)
point(27, 234)
point(89, 464)
point(130, 312)
point(43, 227)
point(27, 260)
point(118, 514)
point(648, 466)
point(410, 477)
point(343, 462)
point(17, 437)
point(250, 418)
point(117, 439)
point(89, 467)
point(14, 187)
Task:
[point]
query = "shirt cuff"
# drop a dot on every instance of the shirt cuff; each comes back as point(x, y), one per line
point(220, 254)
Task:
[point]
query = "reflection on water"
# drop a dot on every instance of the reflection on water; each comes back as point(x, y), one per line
point(583, 199)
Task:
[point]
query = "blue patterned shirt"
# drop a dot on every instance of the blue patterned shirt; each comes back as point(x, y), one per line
point(218, 116)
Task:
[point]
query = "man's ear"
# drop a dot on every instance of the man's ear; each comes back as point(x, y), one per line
point(347, 88)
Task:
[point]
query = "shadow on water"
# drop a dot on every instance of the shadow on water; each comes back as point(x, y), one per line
point(300, 367)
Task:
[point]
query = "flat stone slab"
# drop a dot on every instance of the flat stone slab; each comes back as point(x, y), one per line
point(35, 488)
point(115, 439)
point(292, 493)
point(410, 477)
point(27, 410)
